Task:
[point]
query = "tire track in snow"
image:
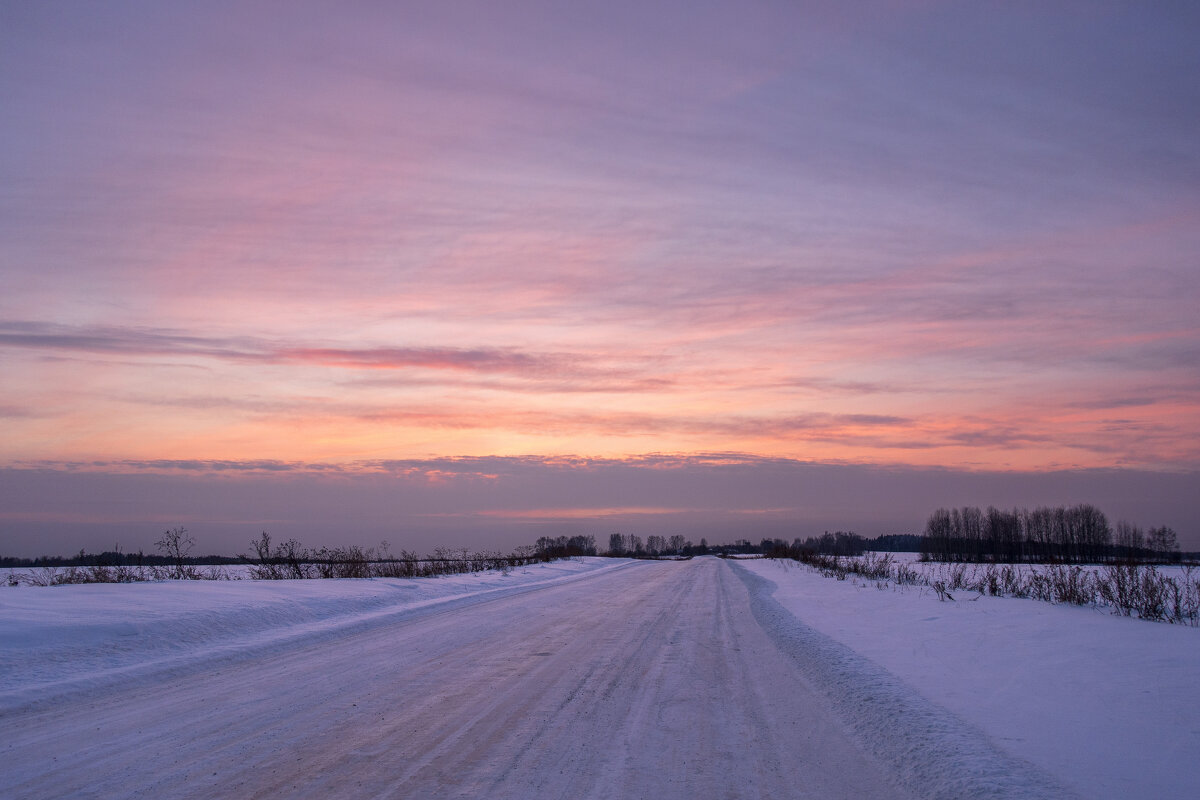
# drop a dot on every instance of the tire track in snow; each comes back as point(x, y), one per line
point(652, 682)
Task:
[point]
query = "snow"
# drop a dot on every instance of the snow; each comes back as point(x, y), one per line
point(913, 560)
point(79, 636)
point(589, 678)
point(1107, 705)
point(643, 679)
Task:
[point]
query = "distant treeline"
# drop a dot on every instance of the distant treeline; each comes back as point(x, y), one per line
point(115, 558)
point(289, 558)
point(548, 547)
point(285, 557)
point(1043, 535)
point(279, 560)
point(1047, 535)
point(840, 543)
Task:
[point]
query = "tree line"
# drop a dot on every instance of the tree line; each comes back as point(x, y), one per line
point(842, 543)
point(1074, 534)
point(114, 558)
point(621, 544)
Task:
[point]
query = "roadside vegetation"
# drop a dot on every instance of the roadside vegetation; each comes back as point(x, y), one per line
point(1131, 590)
point(280, 560)
point(967, 550)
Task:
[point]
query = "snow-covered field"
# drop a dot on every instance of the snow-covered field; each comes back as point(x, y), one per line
point(41, 576)
point(1153, 592)
point(1110, 705)
point(60, 638)
point(591, 678)
point(932, 567)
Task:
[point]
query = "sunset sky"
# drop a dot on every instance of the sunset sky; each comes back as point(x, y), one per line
point(471, 273)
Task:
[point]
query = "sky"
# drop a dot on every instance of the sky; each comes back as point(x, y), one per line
point(465, 274)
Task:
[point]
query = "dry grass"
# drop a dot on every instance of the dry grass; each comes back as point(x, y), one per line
point(1129, 590)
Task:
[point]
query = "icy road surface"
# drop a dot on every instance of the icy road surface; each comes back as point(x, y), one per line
point(643, 680)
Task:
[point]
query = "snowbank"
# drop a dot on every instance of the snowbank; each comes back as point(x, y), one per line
point(73, 637)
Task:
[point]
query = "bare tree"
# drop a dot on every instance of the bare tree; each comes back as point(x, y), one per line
point(175, 544)
point(1130, 541)
point(1163, 542)
point(938, 542)
point(266, 564)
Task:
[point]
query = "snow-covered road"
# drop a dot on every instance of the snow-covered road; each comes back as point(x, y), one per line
point(585, 678)
point(650, 680)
